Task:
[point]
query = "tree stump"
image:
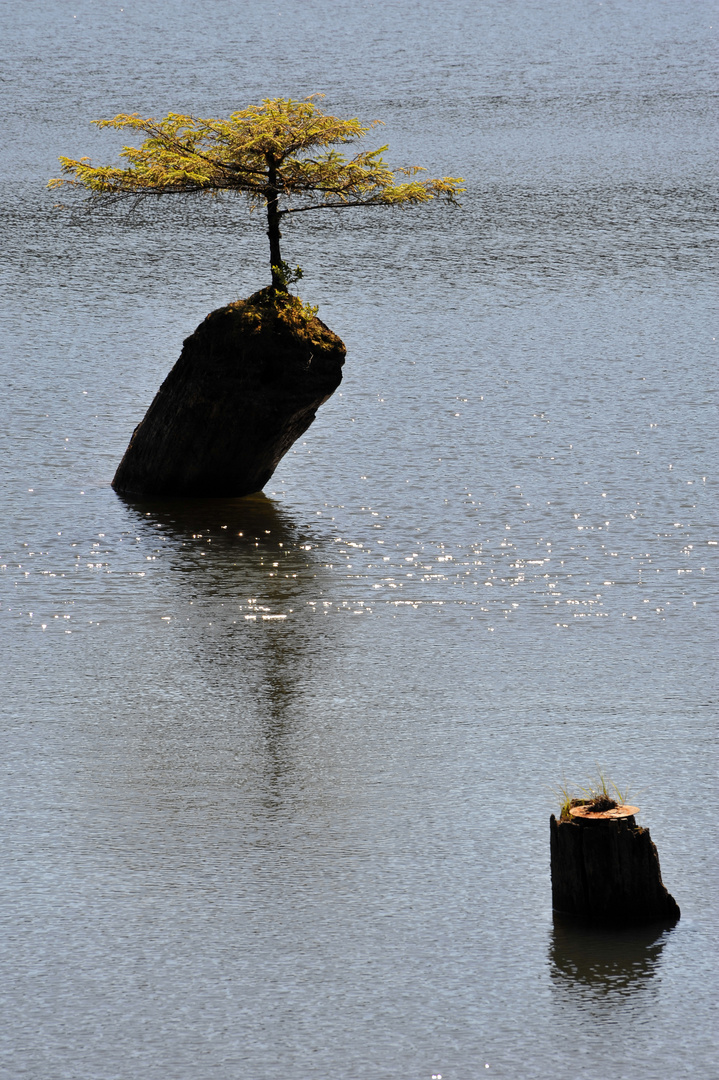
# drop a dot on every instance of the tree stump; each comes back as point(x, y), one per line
point(604, 866)
point(248, 383)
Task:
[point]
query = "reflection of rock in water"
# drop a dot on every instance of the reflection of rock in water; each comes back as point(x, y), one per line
point(604, 961)
point(240, 566)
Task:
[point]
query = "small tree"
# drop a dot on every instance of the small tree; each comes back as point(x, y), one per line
point(274, 153)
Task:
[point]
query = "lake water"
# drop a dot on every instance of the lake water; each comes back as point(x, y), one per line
point(278, 771)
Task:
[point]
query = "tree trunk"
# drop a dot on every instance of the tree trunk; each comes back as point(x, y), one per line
point(273, 225)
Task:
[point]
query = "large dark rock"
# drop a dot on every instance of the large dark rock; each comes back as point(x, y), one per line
point(608, 870)
point(248, 383)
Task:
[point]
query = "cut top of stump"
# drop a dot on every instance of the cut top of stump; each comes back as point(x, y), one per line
point(617, 813)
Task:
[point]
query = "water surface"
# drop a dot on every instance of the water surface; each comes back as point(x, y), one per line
point(278, 771)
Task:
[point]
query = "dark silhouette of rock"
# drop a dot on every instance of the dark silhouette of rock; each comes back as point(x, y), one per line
point(248, 383)
point(608, 869)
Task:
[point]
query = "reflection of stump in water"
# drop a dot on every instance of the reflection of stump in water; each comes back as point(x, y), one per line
point(223, 552)
point(244, 536)
point(604, 959)
point(238, 522)
point(604, 866)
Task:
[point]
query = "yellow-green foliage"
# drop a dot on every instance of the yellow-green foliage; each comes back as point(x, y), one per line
point(277, 148)
point(266, 309)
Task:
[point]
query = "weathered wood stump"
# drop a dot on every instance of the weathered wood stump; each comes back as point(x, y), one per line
point(604, 866)
point(248, 383)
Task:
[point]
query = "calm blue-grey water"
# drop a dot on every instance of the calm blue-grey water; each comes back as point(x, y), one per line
point(277, 772)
